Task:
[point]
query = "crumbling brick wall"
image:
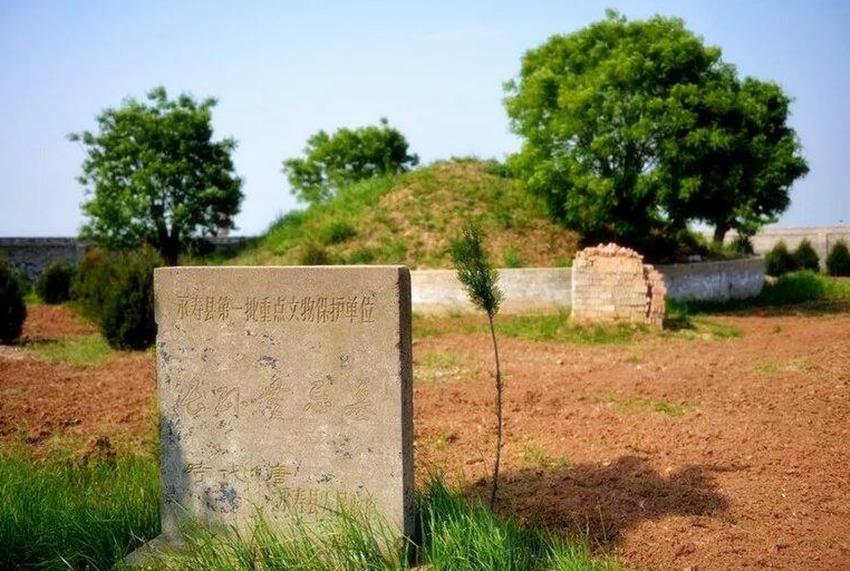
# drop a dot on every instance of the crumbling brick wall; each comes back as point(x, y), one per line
point(612, 284)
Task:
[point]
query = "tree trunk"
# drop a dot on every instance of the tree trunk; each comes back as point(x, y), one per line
point(720, 233)
point(495, 488)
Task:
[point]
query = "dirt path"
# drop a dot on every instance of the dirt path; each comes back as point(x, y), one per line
point(676, 454)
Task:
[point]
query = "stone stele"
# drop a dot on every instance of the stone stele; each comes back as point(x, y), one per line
point(284, 389)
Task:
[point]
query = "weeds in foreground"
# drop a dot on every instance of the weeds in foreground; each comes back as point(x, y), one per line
point(75, 516)
point(86, 516)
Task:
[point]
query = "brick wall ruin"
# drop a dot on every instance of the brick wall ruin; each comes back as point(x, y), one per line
point(612, 284)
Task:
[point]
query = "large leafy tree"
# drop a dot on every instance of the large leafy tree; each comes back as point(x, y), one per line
point(633, 129)
point(348, 155)
point(154, 175)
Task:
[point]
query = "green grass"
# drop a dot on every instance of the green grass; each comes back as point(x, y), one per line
point(75, 350)
point(628, 405)
point(59, 515)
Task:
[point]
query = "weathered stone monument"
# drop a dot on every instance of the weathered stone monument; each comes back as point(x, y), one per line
point(612, 284)
point(285, 389)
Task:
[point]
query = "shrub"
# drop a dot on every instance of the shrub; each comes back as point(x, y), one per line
point(838, 260)
point(127, 316)
point(94, 278)
point(779, 260)
point(806, 258)
point(54, 283)
point(362, 256)
point(13, 311)
point(314, 255)
point(741, 245)
point(511, 258)
point(337, 232)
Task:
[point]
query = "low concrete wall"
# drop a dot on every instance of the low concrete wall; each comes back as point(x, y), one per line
point(714, 281)
point(527, 290)
point(547, 290)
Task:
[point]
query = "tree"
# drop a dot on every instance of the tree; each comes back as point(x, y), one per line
point(153, 175)
point(634, 129)
point(13, 311)
point(349, 155)
point(479, 279)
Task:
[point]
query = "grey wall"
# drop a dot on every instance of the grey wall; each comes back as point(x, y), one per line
point(821, 237)
point(33, 254)
point(543, 290)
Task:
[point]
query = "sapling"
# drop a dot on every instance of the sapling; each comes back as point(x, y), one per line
point(479, 280)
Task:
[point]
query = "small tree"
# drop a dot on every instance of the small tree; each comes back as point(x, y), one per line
point(13, 311)
point(349, 155)
point(54, 283)
point(838, 260)
point(154, 175)
point(806, 258)
point(479, 279)
point(779, 261)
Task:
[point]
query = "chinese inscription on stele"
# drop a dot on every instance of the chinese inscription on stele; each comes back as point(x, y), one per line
point(284, 389)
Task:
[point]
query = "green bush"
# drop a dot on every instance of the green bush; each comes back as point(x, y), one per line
point(13, 311)
point(94, 278)
point(337, 232)
point(127, 316)
point(779, 260)
point(795, 287)
point(362, 256)
point(314, 255)
point(838, 260)
point(806, 258)
point(54, 283)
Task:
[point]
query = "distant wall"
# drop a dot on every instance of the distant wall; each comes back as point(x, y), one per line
point(34, 254)
point(547, 290)
point(714, 281)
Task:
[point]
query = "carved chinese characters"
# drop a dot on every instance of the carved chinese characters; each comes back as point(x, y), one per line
point(284, 389)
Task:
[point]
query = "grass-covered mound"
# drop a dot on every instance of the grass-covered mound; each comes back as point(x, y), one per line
point(410, 219)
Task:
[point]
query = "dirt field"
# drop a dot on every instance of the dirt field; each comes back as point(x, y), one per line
point(675, 454)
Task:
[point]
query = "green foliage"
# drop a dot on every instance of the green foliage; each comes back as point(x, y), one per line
point(633, 129)
point(92, 282)
point(54, 283)
point(59, 515)
point(474, 271)
point(336, 232)
point(13, 311)
point(347, 156)
point(838, 260)
point(127, 317)
point(153, 175)
point(805, 257)
point(779, 261)
point(315, 255)
point(115, 290)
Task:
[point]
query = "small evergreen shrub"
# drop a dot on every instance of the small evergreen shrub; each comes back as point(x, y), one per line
point(127, 315)
point(94, 278)
point(806, 258)
point(741, 245)
point(13, 311)
point(838, 260)
point(337, 232)
point(54, 283)
point(511, 258)
point(314, 255)
point(779, 261)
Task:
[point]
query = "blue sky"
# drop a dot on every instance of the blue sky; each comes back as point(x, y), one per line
point(282, 70)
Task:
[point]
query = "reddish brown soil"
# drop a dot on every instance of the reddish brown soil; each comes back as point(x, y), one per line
point(43, 404)
point(753, 475)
